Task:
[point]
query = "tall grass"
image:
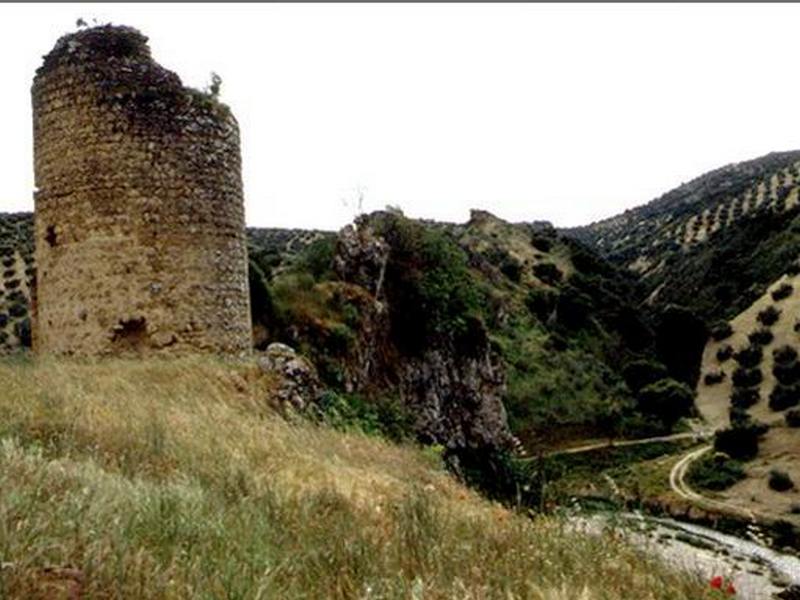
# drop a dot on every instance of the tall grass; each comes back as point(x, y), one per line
point(176, 479)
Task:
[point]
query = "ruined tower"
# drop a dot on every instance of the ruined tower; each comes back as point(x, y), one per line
point(139, 217)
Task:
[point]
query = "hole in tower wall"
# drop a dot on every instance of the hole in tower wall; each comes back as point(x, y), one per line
point(130, 334)
point(51, 237)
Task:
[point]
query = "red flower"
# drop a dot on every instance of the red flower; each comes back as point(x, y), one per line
point(718, 583)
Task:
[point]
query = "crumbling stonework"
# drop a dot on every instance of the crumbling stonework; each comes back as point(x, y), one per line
point(139, 217)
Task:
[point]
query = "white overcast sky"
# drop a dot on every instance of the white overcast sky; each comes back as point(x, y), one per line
point(569, 113)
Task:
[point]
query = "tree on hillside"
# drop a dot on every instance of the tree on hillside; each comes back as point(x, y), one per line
point(667, 400)
point(680, 339)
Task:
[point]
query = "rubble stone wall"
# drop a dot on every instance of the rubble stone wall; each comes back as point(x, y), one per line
point(139, 216)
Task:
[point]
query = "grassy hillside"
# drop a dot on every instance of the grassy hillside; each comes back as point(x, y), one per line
point(176, 479)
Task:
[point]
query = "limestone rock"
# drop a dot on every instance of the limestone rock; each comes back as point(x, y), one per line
point(299, 383)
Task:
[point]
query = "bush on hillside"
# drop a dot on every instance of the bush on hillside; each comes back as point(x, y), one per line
point(429, 286)
point(784, 355)
point(541, 303)
point(738, 416)
point(740, 441)
point(784, 396)
point(721, 330)
point(793, 269)
point(782, 292)
point(792, 418)
point(724, 353)
point(780, 481)
point(575, 308)
point(761, 336)
point(22, 329)
point(680, 339)
point(715, 472)
point(714, 377)
point(744, 397)
point(743, 377)
point(541, 242)
point(750, 356)
point(668, 400)
point(769, 316)
point(511, 268)
point(787, 373)
point(548, 273)
point(317, 258)
point(640, 373)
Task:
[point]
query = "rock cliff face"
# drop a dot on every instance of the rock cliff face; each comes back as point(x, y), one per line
point(455, 397)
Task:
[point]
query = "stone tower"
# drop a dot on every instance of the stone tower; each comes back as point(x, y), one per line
point(139, 217)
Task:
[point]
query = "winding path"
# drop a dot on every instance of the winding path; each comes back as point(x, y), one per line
point(677, 481)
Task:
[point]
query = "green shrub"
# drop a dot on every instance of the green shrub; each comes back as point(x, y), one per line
point(680, 340)
point(782, 292)
point(769, 316)
point(640, 373)
point(724, 353)
point(787, 373)
point(262, 308)
point(383, 416)
point(744, 397)
point(18, 309)
point(784, 396)
point(22, 329)
point(738, 416)
point(739, 441)
point(548, 273)
point(792, 417)
point(750, 356)
point(668, 400)
point(575, 308)
point(761, 336)
point(541, 243)
point(784, 355)
point(715, 472)
point(430, 289)
point(780, 481)
point(743, 377)
point(714, 377)
point(317, 258)
point(721, 331)
point(511, 268)
point(541, 303)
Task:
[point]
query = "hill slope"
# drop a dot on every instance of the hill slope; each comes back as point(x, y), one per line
point(175, 479)
point(710, 242)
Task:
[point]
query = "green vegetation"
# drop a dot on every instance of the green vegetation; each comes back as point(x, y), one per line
point(782, 292)
point(667, 400)
point(760, 337)
point(740, 440)
point(722, 330)
point(724, 353)
point(743, 377)
point(780, 481)
point(784, 396)
point(744, 398)
point(769, 316)
point(750, 356)
point(715, 472)
point(792, 418)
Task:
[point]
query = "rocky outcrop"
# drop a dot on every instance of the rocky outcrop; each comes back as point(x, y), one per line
point(455, 397)
point(297, 382)
point(456, 400)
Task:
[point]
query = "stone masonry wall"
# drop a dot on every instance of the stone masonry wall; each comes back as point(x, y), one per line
point(139, 218)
